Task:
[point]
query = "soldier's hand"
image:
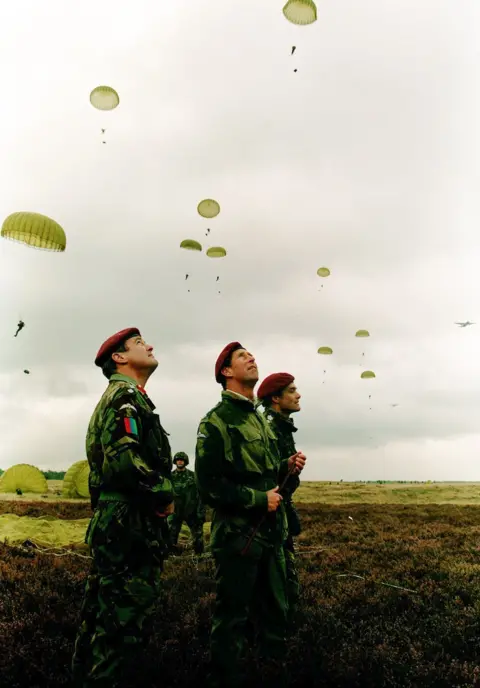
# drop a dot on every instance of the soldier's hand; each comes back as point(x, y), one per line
point(274, 499)
point(296, 463)
point(167, 511)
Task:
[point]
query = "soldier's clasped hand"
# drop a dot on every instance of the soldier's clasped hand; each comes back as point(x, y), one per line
point(274, 499)
point(299, 460)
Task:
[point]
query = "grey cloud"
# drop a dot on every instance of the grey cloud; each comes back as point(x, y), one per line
point(364, 161)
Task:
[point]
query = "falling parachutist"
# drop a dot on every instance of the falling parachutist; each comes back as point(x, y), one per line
point(186, 277)
point(103, 131)
point(27, 372)
point(218, 278)
point(294, 47)
point(295, 70)
point(20, 326)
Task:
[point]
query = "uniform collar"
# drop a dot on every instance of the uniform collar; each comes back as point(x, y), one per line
point(119, 377)
point(235, 396)
point(281, 418)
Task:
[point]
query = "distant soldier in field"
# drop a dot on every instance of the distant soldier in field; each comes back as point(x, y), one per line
point(188, 505)
point(238, 473)
point(130, 467)
point(280, 398)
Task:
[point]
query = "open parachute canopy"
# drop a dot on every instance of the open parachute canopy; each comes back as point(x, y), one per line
point(323, 272)
point(362, 333)
point(23, 477)
point(75, 481)
point(325, 350)
point(216, 252)
point(191, 245)
point(34, 230)
point(208, 208)
point(300, 12)
point(104, 98)
point(367, 375)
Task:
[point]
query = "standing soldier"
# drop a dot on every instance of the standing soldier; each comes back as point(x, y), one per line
point(130, 466)
point(280, 398)
point(239, 473)
point(188, 505)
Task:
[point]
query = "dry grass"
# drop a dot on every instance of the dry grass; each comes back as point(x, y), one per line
point(351, 632)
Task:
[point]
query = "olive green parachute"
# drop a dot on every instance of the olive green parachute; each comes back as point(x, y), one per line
point(323, 272)
point(325, 350)
point(367, 375)
point(24, 477)
point(75, 481)
point(104, 98)
point(362, 333)
point(208, 208)
point(191, 245)
point(34, 230)
point(216, 252)
point(300, 12)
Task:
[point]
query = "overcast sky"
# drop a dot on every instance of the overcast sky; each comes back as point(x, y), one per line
point(365, 160)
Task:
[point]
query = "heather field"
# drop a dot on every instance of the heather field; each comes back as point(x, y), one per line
point(390, 594)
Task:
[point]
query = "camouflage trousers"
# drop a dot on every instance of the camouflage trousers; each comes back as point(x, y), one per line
point(196, 529)
point(293, 585)
point(120, 596)
point(250, 585)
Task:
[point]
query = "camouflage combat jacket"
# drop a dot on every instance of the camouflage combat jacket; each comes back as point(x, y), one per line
point(187, 500)
point(236, 463)
point(128, 451)
point(284, 428)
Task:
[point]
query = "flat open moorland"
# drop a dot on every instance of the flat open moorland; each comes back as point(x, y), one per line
point(390, 595)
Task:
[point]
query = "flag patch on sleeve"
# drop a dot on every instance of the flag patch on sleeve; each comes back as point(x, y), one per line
point(130, 426)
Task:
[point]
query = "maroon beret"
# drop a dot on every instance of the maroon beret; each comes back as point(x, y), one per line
point(225, 353)
point(109, 346)
point(273, 384)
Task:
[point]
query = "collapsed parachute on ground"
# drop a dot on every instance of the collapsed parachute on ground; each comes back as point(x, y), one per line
point(75, 481)
point(216, 252)
point(43, 532)
point(208, 208)
point(367, 375)
point(191, 245)
point(300, 12)
point(34, 230)
point(23, 477)
point(362, 333)
point(104, 98)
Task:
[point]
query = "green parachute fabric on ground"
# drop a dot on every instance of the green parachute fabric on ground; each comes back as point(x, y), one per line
point(47, 531)
point(75, 481)
point(24, 477)
point(81, 480)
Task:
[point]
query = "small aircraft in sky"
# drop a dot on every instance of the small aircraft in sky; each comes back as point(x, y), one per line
point(464, 324)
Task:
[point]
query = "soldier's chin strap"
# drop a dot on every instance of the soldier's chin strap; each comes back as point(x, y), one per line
point(254, 532)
